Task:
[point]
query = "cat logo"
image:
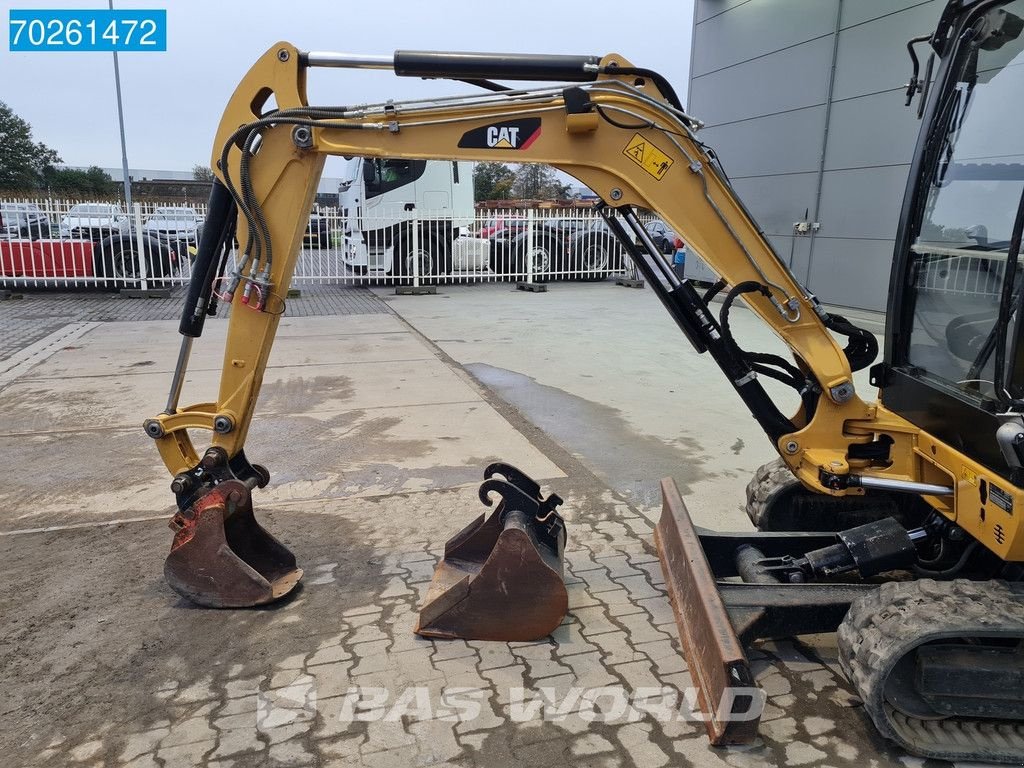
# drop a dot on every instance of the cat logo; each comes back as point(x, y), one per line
point(510, 134)
point(504, 137)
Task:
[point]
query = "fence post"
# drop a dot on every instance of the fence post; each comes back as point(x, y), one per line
point(415, 288)
point(140, 247)
point(531, 216)
point(415, 250)
point(531, 242)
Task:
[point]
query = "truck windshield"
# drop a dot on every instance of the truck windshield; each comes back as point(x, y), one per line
point(974, 172)
point(391, 174)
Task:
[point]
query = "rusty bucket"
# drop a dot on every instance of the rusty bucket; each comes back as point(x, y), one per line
point(222, 558)
point(501, 576)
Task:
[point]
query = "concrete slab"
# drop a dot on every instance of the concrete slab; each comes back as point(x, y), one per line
point(156, 352)
point(67, 402)
point(608, 375)
point(378, 413)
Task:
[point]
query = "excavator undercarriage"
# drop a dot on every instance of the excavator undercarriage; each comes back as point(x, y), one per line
point(894, 523)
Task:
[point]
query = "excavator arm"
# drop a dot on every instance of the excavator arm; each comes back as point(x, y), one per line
point(620, 131)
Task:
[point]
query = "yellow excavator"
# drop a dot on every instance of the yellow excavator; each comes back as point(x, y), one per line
point(895, 522)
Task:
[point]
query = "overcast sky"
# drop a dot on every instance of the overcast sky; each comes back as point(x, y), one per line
point(173, 101)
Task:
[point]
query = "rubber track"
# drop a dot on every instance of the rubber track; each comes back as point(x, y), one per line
point(768, 480)
point(893, 620)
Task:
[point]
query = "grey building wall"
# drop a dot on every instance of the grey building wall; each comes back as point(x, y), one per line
point(767, 77)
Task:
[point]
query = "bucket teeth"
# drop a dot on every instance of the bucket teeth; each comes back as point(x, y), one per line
point(501, 576)
point(222, 558)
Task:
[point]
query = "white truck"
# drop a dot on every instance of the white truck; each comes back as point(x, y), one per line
point(405, 218)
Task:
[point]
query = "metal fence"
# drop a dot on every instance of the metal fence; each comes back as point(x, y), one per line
point(66, 244)
point(949, 270)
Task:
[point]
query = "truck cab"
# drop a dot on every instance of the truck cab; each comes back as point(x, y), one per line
point(391, 207)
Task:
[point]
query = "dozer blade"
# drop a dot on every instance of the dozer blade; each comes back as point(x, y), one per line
point(222, 558)
point(501, 576)
point(717, 662)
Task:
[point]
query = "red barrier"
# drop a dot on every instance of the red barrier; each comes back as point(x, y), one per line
point(46, 258)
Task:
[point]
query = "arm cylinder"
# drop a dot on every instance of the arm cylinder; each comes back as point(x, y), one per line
point(500, 66)
point(216, 230)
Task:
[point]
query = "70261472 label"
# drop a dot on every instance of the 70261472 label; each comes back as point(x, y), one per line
point(87, 30)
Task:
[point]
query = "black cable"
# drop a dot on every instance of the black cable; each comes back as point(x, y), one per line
point(772, 366)
point(953, 569)
point(627, 126)
point(939, 557)
point(245, 199)
point(659, 80)
point(862, 348)
point(789, 374)
point(713, 291)
point(487, 85)
point(710, 151)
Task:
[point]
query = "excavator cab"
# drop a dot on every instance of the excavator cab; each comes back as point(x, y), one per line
point(954, 350)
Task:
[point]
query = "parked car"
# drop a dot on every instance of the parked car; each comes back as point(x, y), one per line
point(318, 232)
point(95, 221)
point(663, 237)
point(506, 224)
point(549, 251)
point(176, 226)
point(23, 220)
point(102, 244)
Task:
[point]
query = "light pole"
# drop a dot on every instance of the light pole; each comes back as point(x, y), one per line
point(120, 120)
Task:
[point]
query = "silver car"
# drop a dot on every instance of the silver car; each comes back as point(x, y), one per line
point(95, 221)
point(175, 224)
point(23, 221)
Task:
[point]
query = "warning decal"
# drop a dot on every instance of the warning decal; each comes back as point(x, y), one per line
point(642, 152)
point(968, 475)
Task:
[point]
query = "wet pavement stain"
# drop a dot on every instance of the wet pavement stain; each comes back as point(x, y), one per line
point(304, 394)
point(632, 463)
point(349, 451)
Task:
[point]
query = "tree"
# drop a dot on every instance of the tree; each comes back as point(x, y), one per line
point(202, 173)
point(492, 181)
point(538, 182)
point(23, 161)
point(94, 182)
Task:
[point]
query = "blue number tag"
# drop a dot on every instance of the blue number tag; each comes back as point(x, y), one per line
point(87, 30)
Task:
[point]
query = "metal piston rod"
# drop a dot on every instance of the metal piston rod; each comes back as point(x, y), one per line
point(178, 380)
